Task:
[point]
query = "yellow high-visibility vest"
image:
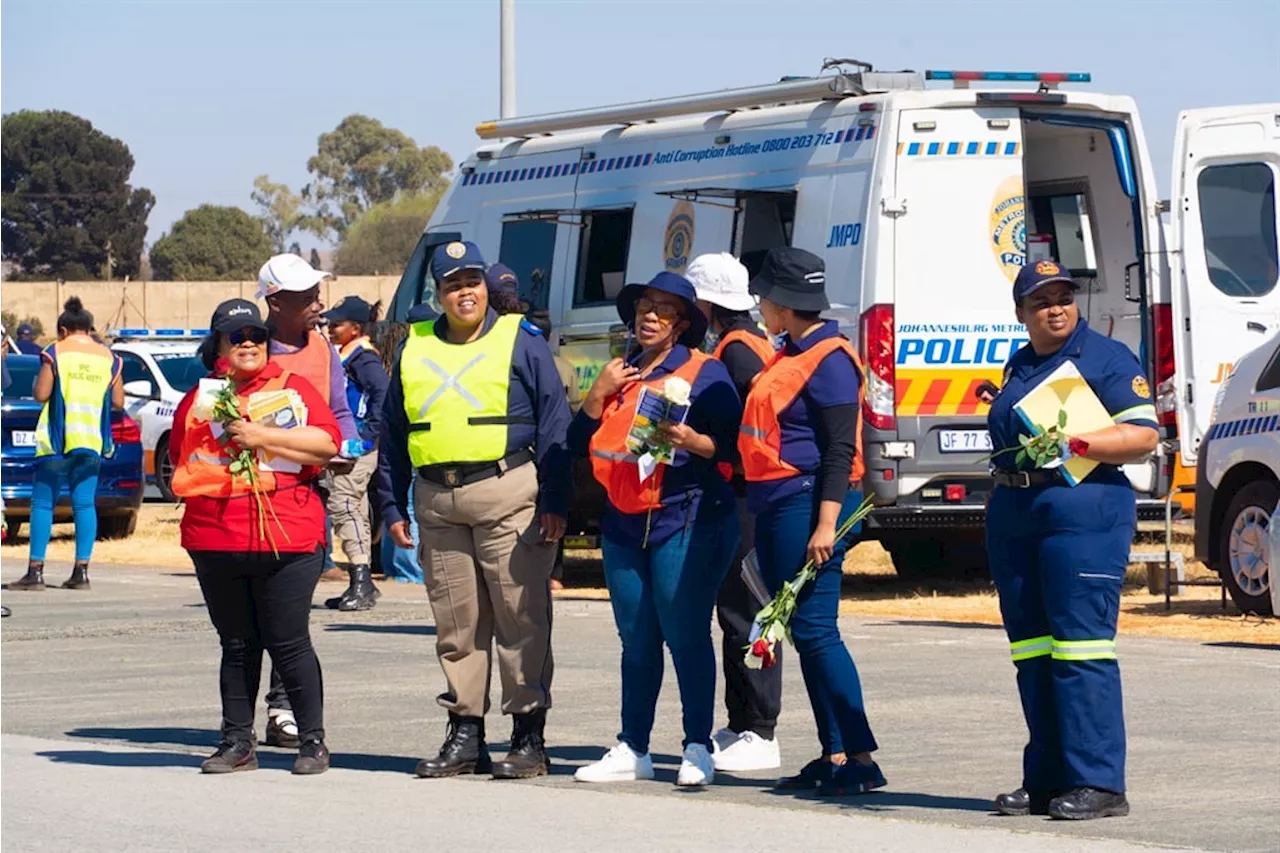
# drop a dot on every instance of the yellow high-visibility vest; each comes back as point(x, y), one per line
point(455, 395)
point(79, 408)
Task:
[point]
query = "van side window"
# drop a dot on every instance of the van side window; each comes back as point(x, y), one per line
point(602, 256)
point(1238, 220)
point(762, 221)
point(1065, 218)
point(528, 247)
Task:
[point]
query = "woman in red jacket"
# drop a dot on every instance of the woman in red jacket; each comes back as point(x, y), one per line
point(258, 552)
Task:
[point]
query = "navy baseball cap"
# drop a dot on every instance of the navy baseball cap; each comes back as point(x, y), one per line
point(500, 277)
point(352, 308)
point(1032, 277)
point(236, 314)
point(454, 257)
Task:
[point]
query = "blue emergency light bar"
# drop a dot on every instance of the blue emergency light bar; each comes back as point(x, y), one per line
point(169, 334)
point(1011, 76)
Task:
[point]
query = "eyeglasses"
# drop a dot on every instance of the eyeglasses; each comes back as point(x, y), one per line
point(663, 310)
point(257, 336)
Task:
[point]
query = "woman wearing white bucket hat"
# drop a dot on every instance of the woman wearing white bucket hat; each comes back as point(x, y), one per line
point(753, 697)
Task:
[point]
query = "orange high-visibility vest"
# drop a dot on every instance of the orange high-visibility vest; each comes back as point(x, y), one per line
point(757, 344)
point(312, 362)
point(203, 468)
point(776, 388)
point(614, 466)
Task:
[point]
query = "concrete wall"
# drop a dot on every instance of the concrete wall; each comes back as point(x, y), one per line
point(163, 304)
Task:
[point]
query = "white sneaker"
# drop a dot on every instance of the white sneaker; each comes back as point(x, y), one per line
point(747, 753)
point(696, 767)
point(723, 739)
point(619, 764)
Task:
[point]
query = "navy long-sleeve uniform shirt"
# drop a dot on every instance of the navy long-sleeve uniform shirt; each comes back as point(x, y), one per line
point(366, 373)
point(535, 393)
point(691, 485)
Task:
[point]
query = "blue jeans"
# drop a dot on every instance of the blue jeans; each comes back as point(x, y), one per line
point(79, 472)
point(401, 564)
point(830, 677)
point(666, 593)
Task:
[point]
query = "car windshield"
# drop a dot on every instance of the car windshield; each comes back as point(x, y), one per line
point(22, 371)
point(181, 370)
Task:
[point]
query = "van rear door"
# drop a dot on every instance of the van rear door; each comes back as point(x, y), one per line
point(1226, 166)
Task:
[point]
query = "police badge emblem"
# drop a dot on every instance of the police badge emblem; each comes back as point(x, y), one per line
point(1141, 388)
point(455, 250)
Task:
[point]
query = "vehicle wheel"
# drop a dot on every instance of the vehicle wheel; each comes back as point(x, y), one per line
point(117, 526)
point(164, 470)
point(1243, 548)
point(944, 556)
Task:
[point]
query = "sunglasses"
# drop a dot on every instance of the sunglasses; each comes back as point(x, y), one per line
point(257, 336)
point(662, 310)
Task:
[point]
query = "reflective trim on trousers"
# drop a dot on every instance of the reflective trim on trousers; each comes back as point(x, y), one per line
point(1033, 648)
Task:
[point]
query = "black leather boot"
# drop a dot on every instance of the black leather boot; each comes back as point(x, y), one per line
point(463, 751)
point(360, 593)
point(527, 757)
point(79, 576)
point(1023, 802)
point(1088, 804)
point(33, 580)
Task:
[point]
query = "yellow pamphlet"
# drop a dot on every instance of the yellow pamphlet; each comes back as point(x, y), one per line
point(1065, 390)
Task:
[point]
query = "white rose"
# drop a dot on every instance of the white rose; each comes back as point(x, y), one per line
point(677, 391)
point(206, 397)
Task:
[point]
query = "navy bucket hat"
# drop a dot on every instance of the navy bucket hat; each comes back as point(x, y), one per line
point(676, 285)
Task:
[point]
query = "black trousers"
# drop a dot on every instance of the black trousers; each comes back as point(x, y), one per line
point(259, 602)
point(753, 697)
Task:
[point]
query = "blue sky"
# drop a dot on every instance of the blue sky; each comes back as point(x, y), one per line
point(209, 94)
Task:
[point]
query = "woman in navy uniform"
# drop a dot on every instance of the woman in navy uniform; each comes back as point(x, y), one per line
point(1058, 557)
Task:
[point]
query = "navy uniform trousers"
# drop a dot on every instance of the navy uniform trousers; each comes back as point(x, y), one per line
point(1058, 557)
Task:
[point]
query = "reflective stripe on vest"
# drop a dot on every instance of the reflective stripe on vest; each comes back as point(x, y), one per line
point(775, 389)
point(455, 395)
point(313, 362)
point(613, 465)
point(756, 343)
point(82, 386)
point(203, 468)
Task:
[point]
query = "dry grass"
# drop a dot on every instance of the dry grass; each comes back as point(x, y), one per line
point(154, 543)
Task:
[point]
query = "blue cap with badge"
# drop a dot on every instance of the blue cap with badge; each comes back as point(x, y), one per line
point(1032, 277)
point(455, 257)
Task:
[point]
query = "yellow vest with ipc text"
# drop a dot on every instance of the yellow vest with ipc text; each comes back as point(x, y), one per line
point(84, 369)
point(455, 395)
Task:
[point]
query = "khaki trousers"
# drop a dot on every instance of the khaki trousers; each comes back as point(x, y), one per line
point(487, 574)
point(348, 507)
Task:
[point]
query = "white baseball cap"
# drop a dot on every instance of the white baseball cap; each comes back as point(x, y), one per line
point(721, 279)
point(287, 272)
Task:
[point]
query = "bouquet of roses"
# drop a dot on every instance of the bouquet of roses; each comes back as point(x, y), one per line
point(220, 404)
point(773, 623)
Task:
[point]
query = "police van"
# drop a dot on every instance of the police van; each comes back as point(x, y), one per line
point(924, 193)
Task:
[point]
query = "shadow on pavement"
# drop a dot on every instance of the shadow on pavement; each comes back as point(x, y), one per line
point(101, 758)
point(883, 801)
point(179, 735)
point(428, 630)
point(1266, 647)
point(940, 623)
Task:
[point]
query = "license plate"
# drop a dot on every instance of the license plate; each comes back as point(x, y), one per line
point(24, 438)
point(964, 441)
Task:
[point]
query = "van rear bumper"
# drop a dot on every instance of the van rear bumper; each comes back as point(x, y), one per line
point(973, 516)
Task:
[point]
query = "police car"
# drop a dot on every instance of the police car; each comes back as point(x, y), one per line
point(160, 366)
point(1238, 481)
point(924, 192)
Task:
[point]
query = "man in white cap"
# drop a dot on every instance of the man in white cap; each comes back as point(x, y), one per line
point(291, 288)
point(753, 697)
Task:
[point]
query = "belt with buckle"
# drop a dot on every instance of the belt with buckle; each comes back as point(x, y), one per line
point(466, 473)
point(1027, 479)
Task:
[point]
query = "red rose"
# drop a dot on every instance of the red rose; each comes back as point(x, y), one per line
point(1078, 447)
point(762, 649)
point(222, 368)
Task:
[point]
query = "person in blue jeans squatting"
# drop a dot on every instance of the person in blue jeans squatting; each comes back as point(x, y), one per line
point(79, 384)
point(1058, 557)
point(669, 530)
point(801, 446)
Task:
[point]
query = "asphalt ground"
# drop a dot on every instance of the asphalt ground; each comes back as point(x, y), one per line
point(108, 699)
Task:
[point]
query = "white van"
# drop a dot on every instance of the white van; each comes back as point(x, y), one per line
point(924, 203)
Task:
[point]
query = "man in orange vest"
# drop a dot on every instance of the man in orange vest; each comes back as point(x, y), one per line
point(291, 288)
point(753, 697)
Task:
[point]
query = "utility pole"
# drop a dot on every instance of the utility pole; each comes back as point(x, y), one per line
point(507, 98)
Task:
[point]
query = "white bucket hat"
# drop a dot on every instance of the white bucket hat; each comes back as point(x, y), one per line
point(287, 272)
point(721, 279)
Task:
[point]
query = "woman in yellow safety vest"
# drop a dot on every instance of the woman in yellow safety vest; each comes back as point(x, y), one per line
point(79, 383)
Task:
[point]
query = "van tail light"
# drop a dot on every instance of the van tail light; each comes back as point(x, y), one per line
point(126, 431)
point(1166, 389)
point(876, 336)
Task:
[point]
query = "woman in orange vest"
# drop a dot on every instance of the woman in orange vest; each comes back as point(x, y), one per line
point(257, 555)
point(669, 529)
point(801, 448)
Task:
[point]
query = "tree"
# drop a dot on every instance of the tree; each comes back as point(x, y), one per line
point(68, 209)
point(211, 243)
point(383, 239)
point(361, 164)
point(281, 210)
